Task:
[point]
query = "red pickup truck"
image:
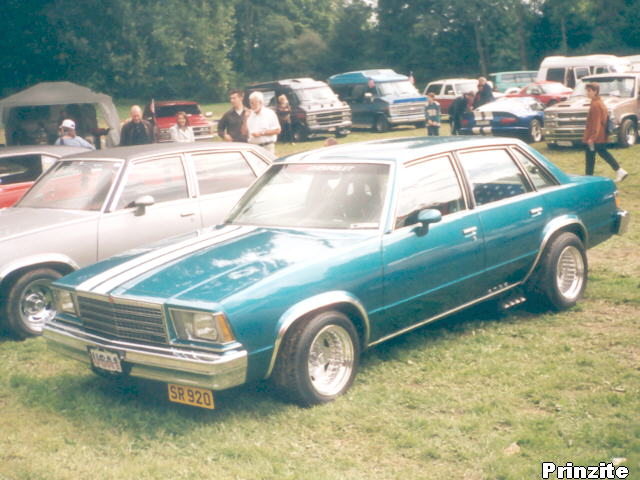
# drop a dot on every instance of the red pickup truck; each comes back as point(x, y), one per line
point(163, 115)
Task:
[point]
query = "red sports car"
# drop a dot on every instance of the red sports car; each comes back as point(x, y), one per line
point(545, 92)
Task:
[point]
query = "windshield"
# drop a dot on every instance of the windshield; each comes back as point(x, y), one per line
point(73, 185)
point(318, 94)
point(404, 87)
point(614, 86)
point(553, 88)
point(336, 195)
point(172, 110)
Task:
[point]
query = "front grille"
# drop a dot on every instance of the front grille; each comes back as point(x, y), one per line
point(407, 109)
point(328, 119)
point(123, 321)
point(202, 131)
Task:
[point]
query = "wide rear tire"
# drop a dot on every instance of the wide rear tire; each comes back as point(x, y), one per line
point(561, 277)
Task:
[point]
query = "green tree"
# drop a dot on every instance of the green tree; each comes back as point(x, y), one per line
point(137, 49)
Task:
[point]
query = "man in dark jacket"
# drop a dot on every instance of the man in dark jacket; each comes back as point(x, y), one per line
point(484, 95)
point(457, 109)
point(595, 134)
point(230, 125)
point(137, 131)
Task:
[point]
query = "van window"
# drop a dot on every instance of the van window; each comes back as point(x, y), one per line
point(434, 88)
point(555, 75)
point(581, 72)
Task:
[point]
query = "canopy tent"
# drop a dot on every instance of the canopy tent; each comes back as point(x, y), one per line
point(65, 93)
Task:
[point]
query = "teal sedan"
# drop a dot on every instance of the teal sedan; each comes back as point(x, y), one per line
point(331, 252)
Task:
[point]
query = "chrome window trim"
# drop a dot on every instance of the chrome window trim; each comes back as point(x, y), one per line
point(302, 308)
point(112, 204)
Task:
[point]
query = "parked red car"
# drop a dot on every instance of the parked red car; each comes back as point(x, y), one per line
point(163, 115)
point(20, 166)
point(545, 92)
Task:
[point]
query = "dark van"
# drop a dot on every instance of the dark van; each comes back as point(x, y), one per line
point(380, 99)
point(315, 108)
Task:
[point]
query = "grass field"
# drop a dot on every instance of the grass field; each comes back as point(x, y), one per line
point(478, 396)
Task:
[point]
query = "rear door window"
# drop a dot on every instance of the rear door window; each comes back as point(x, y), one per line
point(222, 171)
point(493, 175)
point(22, 168)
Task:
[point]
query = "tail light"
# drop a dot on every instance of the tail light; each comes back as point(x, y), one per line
point(465, 122)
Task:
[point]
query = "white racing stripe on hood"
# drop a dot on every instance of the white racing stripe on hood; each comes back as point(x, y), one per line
point(114, 277)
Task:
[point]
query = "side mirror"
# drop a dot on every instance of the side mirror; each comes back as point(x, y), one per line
point(425, 218)
point(142, 203)
point(208, 114)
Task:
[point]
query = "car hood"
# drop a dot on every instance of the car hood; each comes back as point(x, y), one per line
point(214, 264)
point(580, 103)
point(18, 221)
point(194, 121)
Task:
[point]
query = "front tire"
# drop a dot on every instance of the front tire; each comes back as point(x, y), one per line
point(29, 302)
point(319, 359)
point(381, 124)
point(628, 133)
point(561, 277)
point(535, 132)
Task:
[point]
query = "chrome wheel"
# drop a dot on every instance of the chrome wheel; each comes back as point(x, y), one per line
point(535, 131)
point(331, 360)
point(36, 304)
point(570, 273)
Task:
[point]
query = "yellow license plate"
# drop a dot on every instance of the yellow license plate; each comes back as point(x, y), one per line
point(196, 397)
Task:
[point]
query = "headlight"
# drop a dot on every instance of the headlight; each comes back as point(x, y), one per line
point(195, 325)
point(64, 301)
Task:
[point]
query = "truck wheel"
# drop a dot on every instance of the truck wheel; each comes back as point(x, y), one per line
point(300, 134)
point(318, 360)
point(535, 132)
point(628, 133)
point(381, 124)
point(561, 277)
point(29, 302)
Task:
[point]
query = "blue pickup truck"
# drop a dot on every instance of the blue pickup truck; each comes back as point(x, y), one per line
point(380, 99)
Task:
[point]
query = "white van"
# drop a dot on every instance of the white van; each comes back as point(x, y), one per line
point(568, 70)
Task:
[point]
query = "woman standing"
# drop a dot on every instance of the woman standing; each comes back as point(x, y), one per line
point(283, 110)
point(181, 131)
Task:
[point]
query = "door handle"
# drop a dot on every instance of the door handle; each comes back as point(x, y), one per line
point(536, 211)
point(187, 214)
point(470, 231)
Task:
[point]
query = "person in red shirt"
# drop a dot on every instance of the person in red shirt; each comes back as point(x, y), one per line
point(595, 134)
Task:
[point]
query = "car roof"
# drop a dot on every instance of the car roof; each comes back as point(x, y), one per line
point(395, 150)
point(166, 103)
point(455, 80)
point(53, 150)
point(302, 82)
point(611, 74)
point(136, 152)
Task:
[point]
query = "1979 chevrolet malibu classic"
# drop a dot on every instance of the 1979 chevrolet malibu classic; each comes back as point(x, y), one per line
point(331, 252)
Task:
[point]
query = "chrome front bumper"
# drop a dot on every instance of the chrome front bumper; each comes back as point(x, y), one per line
point(622, 224)
point(165, 364)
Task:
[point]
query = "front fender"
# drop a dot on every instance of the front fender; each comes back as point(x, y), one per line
point(308, 305)
point(40, 259)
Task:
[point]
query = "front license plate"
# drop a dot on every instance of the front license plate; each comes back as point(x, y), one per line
point(105, 360)
point(482, 123)
point(565, 144)
point(196, 397)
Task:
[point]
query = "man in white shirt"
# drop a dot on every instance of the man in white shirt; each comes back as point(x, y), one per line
point(262, 125)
